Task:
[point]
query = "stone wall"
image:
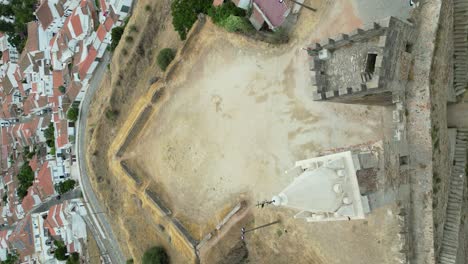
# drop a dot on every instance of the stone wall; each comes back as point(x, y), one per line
point(460, 38)
point(391, 68)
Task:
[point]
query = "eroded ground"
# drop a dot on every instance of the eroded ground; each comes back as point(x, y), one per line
point(238, 114)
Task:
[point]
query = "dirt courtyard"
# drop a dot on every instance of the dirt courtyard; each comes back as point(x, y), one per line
point(240, 119)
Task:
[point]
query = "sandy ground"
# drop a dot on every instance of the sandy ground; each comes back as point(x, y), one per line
point(239, 114)
point(92, 249)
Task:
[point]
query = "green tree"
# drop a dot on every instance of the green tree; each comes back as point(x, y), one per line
point(184, 14)
point(62, 89)
point(65, 186)
point(155, 255)
point(116, 35)
point(72, 113)
point(25, 178)
point(236, 24)
point(11, 259)
point(49, 135)
point(74, 258)
point(165, 57)
point(61, 250)
point(222, 12)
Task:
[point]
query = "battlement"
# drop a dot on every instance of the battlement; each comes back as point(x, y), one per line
point(363, 66)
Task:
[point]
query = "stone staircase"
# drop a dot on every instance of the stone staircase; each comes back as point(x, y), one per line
point(450, 242)
point(366, 76)
point(460, 42)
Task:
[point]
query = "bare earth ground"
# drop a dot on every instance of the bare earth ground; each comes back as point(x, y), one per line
point(92, 249)
point(239, 114)
point(130, 225)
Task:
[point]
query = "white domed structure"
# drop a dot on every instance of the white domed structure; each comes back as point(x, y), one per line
point(326, 190)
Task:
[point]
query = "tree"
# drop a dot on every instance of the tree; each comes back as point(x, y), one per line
point(65, 186)
point(184, 14)
point(155, 255)
point(236, 24)
point(11, 259)
point(61, 250)
point(62, 89)
point(116, 35)
point(49, 135)
point(25, 177)
point(222, 12)
point(74, 258)
point(165, 57)
point(72, 113)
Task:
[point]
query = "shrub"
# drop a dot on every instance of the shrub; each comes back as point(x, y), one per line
point(25, 178)
point(74, 258)
point(52, 151)
point(62, 89)
point(129, 261)
point(129, 39)
point(112, 114)
point(222, 12)
point(61, 250)
point(116, 35)
point(147, 8)
point(165, 57)
point(133, 28)
point(155, 255)
point(72, 113)
point(65, 186)
point(184, 14)
point(236, 24)
point(5, 198)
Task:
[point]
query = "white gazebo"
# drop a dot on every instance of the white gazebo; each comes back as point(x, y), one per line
point(326, 189)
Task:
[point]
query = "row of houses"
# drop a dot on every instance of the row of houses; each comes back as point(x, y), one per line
point(37, 88)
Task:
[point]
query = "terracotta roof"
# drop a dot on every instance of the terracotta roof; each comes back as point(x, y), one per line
point(109, 23)
point(62, 138)
point(218, 2)
point(102, 4)
point(34, 163)
point(57, 77)
point(44, 14)
point(86, 64)
point(273, 10)
point(32, 44)
point(73, 90)
point(28, 201)
point(76, 24)
point(101, 32)
point(45, 184)
point(22, 238)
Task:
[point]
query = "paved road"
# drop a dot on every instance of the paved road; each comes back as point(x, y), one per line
point(51, 201)
point(97, 220)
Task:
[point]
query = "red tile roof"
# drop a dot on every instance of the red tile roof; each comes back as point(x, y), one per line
point(44, 14)
point(109, 23)
point(76, 24)
point(101, 32)
point(73, 91)
point(22, 237)
point(34, 163)
point(32, 44)
point(57, 77)
point(218, 2)
point(86, 64)
point(273, 10)
point(102, 4)
point(62, 138)
point(45, 184)
point(28, 201)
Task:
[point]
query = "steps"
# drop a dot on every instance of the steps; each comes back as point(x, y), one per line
point(449, 250)
point(460, 42)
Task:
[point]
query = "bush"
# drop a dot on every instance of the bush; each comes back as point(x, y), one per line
point(74, 258)
point(52, 151)
point(25, 178)
point(222, 12)
point(165, 57)
point(155, 255)
point(133, 28)
point(236, 24)
point(72, 113)
point(116, 35)
point(112, 114)
point(62, 89)
point(61, 250)
point(129, 39)
point(147, 8)
point(184, 14)
point(65, 186)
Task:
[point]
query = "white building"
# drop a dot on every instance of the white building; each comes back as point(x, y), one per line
point(326, 189)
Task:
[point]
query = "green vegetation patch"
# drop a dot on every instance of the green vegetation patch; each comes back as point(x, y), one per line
point(65, 186)
point(25, 178)
point(185, 12)
point(22, 11)
point(155, 255)
point(165, 57)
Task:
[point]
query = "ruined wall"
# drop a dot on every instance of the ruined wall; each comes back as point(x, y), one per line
point(391, 68)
